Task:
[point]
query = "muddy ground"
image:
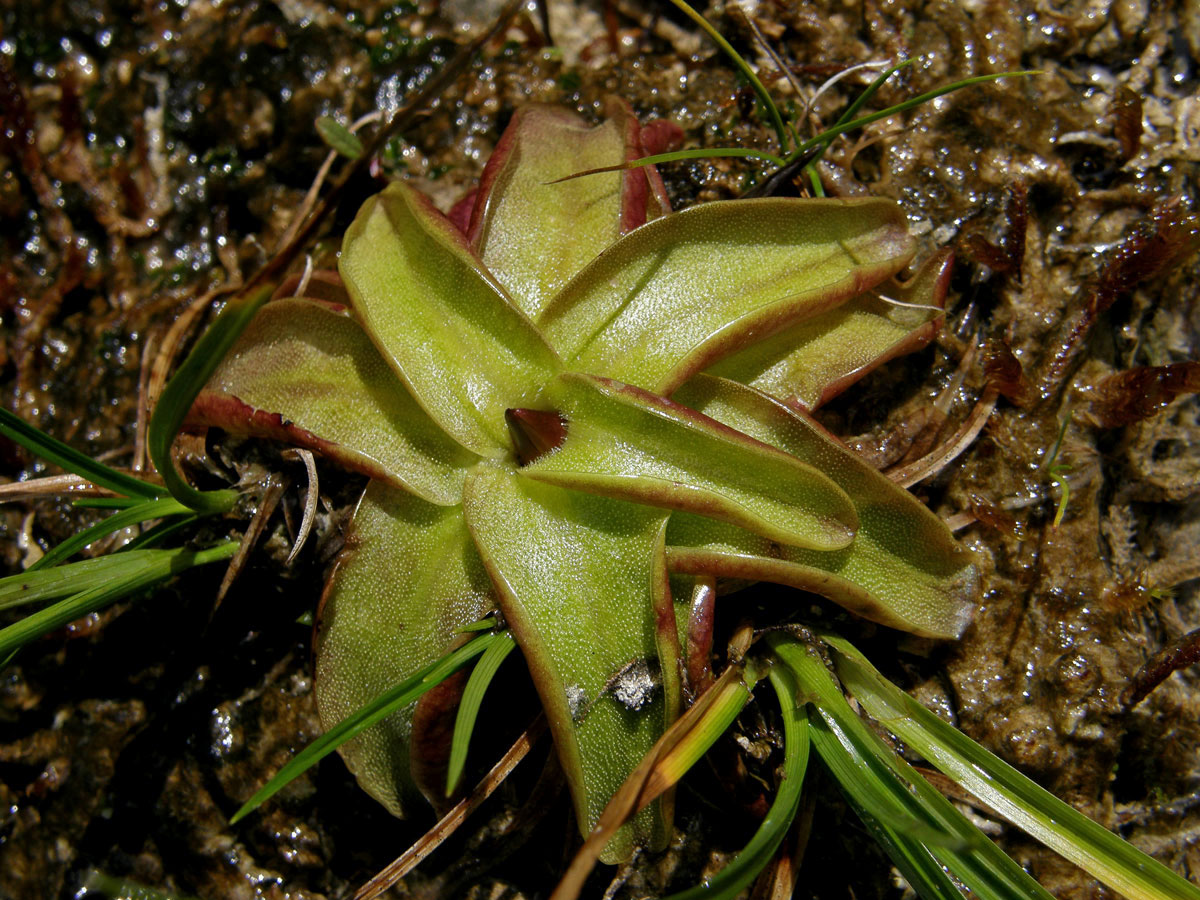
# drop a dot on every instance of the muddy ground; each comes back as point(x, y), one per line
point(153, 157)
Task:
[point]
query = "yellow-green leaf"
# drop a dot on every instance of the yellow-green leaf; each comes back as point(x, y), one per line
point(440, 319)
point(904, 568)
point(407, 581)
point(678, 294)
point(579, 587)
point(535, 232)
point(814, 360)
point(305, 374)
point(624, 442)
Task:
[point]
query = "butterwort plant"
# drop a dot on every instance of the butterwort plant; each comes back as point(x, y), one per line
point(579, 408)
point(581, 416)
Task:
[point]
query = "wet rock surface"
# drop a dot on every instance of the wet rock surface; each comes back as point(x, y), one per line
point(154, 156)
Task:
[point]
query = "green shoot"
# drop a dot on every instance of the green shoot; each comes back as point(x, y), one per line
point(869, 769)
point(159, 567)
point(1057, 472)
point(809, 147)
point(35, 586)
point(134, 515)
point(339, 138)
point(1063, 829)
point(53, 451)
point(412, 688)
point(468, 710)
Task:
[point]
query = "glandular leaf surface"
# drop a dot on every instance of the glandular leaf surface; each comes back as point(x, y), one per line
point(309, 375)
point(579, 586)
point(681, 292)
point(904, 568)
point(816, 359)
point(534, 230)
point(624, 442)
point(440, 319)
point(408, 579)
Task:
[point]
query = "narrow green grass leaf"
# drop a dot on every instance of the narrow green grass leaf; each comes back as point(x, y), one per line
point(753, 858)
point(859, 102)
point(1053, 822)
point(923, 873)
point(744, 67)
point(152, 537)
point(421, 681)
point(36, 585)
point(181, 391)
point(468, 709)
point(842, 127)
point(164, 564)
point(105, 502)
point(152, 509)
point(339, 138)
point(54, 451)
point(482, 625)
point(859, 758)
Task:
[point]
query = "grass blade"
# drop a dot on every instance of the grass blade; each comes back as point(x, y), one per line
point(1056, 824)
point(152, 509)
point(54, 451)
point(159, 533)
point(164, 564)
point(181, 391)
point(781, 130)
point(866, 767)
point(922, 872)
point(384, 705)
point(842, 127)
point(753, 858)
point(464, 723)
point(34, 586)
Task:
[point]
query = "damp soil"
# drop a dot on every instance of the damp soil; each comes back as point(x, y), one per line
point(153, 155)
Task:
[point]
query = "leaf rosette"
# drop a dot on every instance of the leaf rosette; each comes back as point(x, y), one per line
point(654, 371)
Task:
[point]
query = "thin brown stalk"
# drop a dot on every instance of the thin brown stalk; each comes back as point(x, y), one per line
point(20, 491)
point(450, 822)
point(940, 457)
point(276, 485)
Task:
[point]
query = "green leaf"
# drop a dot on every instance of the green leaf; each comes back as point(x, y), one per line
point(1063, 829)
point(143, 512)
point(304, 374)
point(160, 567)
point(904, 568)
point(375, 711)
point(882, 782)
point(576, 577)
point(54, 451)
point(684, 291)
point(181, 390)
point(535, 234)
point(753, 858)
point(407, 583)
point(441, 320)
point(624, 442)
point(468, 710)
point(814, 360)
point(36, 585)
point(339, 137)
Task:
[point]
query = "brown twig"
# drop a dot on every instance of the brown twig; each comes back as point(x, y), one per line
point(448, 823)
